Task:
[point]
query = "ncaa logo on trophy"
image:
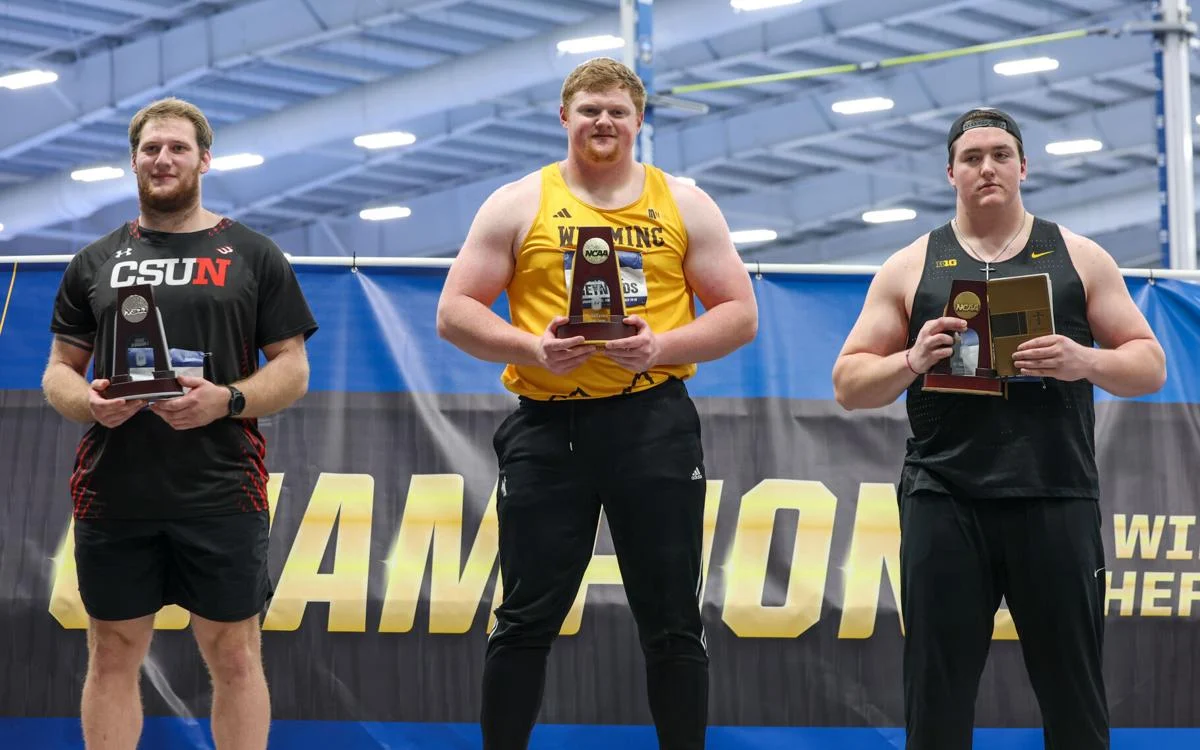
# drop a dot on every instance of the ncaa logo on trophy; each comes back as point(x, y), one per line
point(135, 308)
point(595, 251)
point(967, 305)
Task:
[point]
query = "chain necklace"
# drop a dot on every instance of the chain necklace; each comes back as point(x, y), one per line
point(987, 262)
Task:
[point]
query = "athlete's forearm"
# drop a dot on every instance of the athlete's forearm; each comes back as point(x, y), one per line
point(868, 381)
point(474, 328)
point(276, 386)
point(67, 391)
point(713, 335)
point(1133, 369)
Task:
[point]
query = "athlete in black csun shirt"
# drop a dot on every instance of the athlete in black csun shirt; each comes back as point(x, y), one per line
point(170, 498)
point(225, 291)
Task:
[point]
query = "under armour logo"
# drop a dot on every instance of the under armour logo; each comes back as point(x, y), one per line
point(124, 253)
point(225, 250)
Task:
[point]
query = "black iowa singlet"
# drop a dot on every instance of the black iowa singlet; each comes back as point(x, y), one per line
point(1037, 441)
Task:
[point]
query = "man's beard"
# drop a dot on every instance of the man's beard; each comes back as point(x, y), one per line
point(185, 195)
point(598, 155)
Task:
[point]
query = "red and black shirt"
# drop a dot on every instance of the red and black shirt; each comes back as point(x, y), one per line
point(225, 292)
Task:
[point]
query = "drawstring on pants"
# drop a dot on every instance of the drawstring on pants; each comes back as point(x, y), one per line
point(571, 428)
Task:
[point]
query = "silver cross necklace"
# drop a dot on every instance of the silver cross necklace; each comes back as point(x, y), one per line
point(987, 263)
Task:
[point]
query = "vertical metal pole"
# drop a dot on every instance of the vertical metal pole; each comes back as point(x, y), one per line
point(637, 29)
point(1160, 142)
point(1175, 139)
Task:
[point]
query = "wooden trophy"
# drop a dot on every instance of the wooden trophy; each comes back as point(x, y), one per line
point(595, 275)
point(969, 369)
point(137, 323)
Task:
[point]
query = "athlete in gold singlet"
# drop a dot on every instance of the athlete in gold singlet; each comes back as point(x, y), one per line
point(609, 426)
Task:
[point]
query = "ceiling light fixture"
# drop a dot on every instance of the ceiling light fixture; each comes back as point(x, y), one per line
point(97, 174)
point(587, 44)
point(389, 139)
point(385, 213)
point(747, 236)
point(1067, 148)
point(1026, 66)
point(761, 4)
point(859, 106)
point(235, 161)
point(889, 215)
point(27, 78)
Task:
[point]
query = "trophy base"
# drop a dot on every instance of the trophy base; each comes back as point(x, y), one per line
point(154, 389)
point(596, 332)
point(946, 383)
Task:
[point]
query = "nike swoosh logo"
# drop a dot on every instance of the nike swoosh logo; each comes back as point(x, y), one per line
point(1038, 255)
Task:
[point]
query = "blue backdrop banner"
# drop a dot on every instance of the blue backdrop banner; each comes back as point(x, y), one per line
point(384, 542)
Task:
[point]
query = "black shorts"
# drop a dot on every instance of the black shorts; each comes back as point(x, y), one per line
point(212, 566)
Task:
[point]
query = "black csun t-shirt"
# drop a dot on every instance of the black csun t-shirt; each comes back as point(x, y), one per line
point(222, 293)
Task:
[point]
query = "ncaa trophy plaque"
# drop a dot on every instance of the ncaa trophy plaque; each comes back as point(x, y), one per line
point(137, 323)
point(595, 275)
point(1021, 308)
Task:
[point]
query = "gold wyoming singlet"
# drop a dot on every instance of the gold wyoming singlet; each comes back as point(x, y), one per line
point(650, 240)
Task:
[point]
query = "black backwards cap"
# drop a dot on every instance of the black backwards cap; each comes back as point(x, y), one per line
point(982, 117)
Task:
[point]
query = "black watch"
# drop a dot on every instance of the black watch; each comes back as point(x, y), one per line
point(237, 401)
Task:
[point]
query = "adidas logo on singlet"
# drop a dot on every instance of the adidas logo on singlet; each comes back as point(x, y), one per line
point(562, 214)
point(696, 473)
